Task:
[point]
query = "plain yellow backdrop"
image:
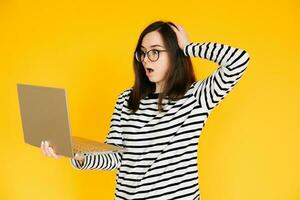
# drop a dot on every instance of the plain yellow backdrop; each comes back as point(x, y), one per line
point(249, 148)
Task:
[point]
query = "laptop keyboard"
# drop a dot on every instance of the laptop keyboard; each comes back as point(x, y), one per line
point(81, 145)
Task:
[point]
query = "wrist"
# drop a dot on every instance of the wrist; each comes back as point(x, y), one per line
point(184, 48)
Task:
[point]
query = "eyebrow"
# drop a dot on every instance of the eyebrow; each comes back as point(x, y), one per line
point(155, 45)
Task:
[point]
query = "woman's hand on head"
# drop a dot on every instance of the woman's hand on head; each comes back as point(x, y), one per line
point(182, 36)
point(48, 150)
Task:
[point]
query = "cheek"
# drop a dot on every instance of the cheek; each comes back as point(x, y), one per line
point(163, 65)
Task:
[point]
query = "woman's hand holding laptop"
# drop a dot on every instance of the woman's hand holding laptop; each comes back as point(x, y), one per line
point(48, 151)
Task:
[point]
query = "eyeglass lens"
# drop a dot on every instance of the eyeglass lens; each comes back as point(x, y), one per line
point(152, 55)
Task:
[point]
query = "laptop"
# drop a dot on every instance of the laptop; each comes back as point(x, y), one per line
point(45, 117)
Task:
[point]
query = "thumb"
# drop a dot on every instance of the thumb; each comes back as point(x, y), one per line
point(79, 156)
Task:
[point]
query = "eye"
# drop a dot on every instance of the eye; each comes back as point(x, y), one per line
point(154, 51)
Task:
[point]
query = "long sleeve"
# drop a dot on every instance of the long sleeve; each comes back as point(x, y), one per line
point(106, 161)
point(232, 64)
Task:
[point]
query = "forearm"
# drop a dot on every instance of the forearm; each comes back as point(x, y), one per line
point(224, 55)
point(232, 63)
point(98, 161)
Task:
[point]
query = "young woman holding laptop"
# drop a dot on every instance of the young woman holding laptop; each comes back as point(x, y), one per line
point(160, 118)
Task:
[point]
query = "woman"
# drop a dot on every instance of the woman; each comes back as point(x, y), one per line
point(159, 120)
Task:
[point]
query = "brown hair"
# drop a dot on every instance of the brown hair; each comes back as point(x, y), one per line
point(179, 77)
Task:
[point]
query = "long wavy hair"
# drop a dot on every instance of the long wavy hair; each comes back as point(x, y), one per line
point(178, 78)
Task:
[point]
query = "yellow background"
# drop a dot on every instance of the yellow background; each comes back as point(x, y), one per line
point(249, 148)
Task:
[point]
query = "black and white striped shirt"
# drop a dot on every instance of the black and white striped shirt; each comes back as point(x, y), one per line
point(161, 158)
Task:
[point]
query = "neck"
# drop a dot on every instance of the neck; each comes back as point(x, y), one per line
point(158, 88)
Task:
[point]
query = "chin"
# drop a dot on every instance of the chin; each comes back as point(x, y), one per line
point(153, 80)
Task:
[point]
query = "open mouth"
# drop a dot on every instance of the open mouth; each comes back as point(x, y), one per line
point(150, 70)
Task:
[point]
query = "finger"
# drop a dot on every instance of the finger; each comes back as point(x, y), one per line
point(180, 29)
point(175, 29)
point(47, 149)
point(43, 148)
point(52, 152)
point(77, 155)
point(184, 33)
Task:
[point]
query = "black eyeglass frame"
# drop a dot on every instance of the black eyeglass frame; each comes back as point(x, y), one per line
point(147, 53)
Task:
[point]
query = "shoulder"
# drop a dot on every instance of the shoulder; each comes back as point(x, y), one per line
point(123, 95)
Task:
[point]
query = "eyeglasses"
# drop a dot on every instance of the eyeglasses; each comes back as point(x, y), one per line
point(152, 54)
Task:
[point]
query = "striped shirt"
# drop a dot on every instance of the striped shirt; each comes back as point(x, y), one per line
point(161, 157)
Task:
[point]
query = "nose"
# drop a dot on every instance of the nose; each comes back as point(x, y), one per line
point(146, 60)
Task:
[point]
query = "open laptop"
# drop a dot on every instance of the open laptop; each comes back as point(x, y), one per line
point(45, 117)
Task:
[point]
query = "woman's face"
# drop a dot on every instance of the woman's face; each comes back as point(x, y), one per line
point(153, 40)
